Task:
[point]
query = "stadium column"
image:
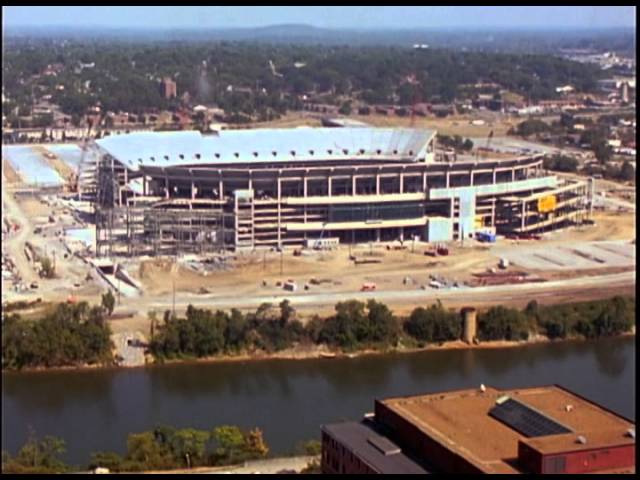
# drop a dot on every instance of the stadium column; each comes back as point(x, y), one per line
point(471, 178)
point(401, 182)
point(378, 183)
point(448, 178)
point(513, 174)
point(220, 185)
point(424, 182)
point(495, 175)
point(166, 185)
point(330, 186)
point(524, 214)
point(279, 207)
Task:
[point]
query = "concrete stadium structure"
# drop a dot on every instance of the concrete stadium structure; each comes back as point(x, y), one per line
point(167, 192)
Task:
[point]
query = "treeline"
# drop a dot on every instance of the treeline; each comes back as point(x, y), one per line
point(356, 325)
point(69, 335)
point(598, 318)
point(125, 76)
point(163, 448)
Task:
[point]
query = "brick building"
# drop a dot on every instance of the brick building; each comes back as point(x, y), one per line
point(168, 88)
point(532, 430)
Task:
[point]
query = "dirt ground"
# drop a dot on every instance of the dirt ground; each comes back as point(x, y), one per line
point(10, 176)
point(338, 272)
point(451, 125)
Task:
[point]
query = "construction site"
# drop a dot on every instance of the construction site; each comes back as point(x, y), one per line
point(317, 215)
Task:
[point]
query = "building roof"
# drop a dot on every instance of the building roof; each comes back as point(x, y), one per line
point(376, 450)
point(259, 145)
point(460, 420)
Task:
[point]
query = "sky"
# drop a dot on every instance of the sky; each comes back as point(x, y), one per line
point(328, 17)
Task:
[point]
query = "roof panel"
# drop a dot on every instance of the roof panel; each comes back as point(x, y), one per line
point(259, 145)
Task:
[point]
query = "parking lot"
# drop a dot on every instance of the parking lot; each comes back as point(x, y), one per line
point(571, 256)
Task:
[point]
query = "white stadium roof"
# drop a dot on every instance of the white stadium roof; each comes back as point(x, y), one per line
point(171, 149)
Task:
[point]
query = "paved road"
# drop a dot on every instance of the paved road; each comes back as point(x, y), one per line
point(497, 294)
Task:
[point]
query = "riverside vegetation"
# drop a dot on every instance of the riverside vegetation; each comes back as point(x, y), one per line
point(74, 335)
point(163, 448)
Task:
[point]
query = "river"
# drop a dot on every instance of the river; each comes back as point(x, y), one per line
point(289, 399)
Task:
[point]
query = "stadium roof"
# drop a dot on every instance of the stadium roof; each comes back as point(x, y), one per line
point(171, 149)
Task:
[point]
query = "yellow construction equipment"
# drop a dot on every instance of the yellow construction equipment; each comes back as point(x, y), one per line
point(547, 204)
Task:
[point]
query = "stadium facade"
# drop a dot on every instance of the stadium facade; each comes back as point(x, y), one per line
point(170, 192)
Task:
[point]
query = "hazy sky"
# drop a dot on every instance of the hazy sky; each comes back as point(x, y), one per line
point(332, 17)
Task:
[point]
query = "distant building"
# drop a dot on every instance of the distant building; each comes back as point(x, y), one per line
point(624, 92)
point(529, 430)
point(168, 88)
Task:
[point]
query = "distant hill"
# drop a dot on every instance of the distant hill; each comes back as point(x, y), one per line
point(499, 39)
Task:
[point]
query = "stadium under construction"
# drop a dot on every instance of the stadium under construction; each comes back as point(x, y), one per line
point(178, 192)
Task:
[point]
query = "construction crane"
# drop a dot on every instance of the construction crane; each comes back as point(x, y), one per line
point(487, 145)
point(316, 245)
point(413, 81)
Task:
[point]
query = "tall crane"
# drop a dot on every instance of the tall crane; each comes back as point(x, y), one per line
point(487, 145)
point(414, 82)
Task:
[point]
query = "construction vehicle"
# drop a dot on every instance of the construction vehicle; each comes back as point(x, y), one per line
point(290, 285)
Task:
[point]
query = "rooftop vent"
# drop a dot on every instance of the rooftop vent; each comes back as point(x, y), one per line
point(483, 388)
point(568, 408)
point(581, 440)
point(500, 400)
point(383, 445)
point(631, 433)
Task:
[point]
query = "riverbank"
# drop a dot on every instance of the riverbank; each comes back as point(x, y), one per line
point(321, 352)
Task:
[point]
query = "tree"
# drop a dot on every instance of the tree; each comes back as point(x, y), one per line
point(48, 271)
point(229, 445)
point(37, 456)
point(627, 171)
point(345, 109)
point(434, 324)
point(255, 446)
point(108, 302)
point(190, 445)
point(602, 151)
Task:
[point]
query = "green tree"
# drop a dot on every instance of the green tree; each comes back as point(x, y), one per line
point(108, 302)
point(190, 445)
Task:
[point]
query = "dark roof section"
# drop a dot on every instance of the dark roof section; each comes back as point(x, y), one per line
point(376, 450)
point(525, 419)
